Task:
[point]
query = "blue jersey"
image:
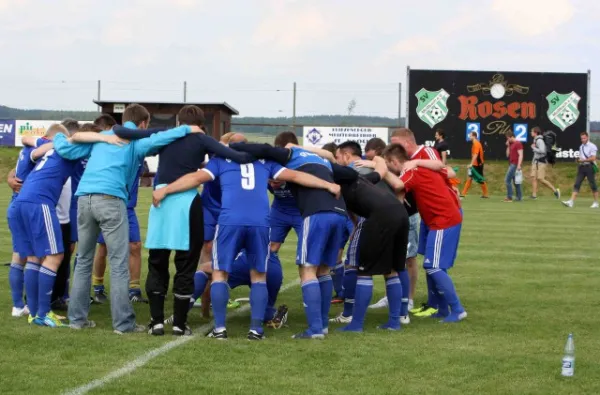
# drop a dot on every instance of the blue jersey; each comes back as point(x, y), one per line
point(311, 201)
point(244, 200)
point(283, 200)
point(133, 188)
point(75, 178)
point(211, 196)
point(25, 163)
point(45, 182)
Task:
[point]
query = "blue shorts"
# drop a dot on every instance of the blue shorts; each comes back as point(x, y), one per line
point(413, 236)
point(320, 239)
point(240, 273)
point(231, 239)
point(353, 248)
point(134, 228)
point(211, 217)
point(423, 232)
point(73, 222)
point(282, 223)
point(441, 248)
point(347, 232)
point(35, 229)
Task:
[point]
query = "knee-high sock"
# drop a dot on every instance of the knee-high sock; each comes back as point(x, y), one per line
point(467, 186)
point(31, 278)
point(349, 291)
point(16, 278)
point(219, 295)
point(484, 188)
point(338, 279)
point(432, 298)
point(326, 286)
point(47, 277)
point(393, 289)
point(200, 281)
point(443, 308)
point(446, 286)
point(259, 297)
point(362, 298)
point(405, 281)
point(311, 296)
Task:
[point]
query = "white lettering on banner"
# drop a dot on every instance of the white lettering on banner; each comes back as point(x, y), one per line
point(6, 128)
point(318, 136)
point(567, 154)
point(431, 143)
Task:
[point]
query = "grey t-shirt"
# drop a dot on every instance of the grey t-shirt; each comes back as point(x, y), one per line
point(539, 150)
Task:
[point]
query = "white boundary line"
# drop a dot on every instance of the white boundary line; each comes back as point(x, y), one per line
point(150, 355)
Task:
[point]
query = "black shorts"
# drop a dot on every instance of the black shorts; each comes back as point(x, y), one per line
point(479, 169)
point(383, 242)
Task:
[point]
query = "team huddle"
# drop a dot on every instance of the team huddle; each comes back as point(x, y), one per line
point(229, 235)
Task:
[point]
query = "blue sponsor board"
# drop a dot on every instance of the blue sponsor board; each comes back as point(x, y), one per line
point(7, 132)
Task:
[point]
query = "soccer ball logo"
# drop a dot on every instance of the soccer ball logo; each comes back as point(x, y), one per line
point(314, 136)
point(437, 114)
point(568, 117)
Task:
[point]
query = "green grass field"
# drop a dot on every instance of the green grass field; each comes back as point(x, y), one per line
point(526, 272)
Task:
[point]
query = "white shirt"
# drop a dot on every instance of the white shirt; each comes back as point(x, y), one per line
point(64, 204)
point(587, 150)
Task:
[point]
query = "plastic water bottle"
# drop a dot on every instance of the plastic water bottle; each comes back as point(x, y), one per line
point(519, 177)
point(568, 361)
point(469, 172)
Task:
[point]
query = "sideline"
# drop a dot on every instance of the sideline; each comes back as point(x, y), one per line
point(150, 355)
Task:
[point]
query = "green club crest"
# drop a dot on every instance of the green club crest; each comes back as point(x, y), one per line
point(432, 108)
point(562, 109)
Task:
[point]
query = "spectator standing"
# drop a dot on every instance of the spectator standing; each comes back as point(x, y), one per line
point(441, 146)
point(539, 164)
point(587, 169)
point(514, 152)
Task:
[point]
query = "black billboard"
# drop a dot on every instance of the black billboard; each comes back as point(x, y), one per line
point(492, 103)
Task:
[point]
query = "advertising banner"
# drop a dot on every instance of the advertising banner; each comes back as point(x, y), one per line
point(7, 132)
point(31, 128)
point(318, 136)
point(493, 103)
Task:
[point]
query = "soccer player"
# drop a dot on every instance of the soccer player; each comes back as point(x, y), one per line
point(241, 226)
point(178, 224)
point(324, 218)
point(28, 157)
point(440, 211)
point(36, 230)
point(102, 200)
point(374, 147)
point(476, 167)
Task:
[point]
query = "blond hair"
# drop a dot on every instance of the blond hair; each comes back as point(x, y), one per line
point(226, 137)
point(404, 134)
point(56, 128)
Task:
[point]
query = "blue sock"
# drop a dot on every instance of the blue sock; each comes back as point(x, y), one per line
point(432, 299)
point(446, 287)
point(219, 295)
point(311, 296)
point(259, 297)
point(16, 278)
point(393, 289)
point(405, 281)
point(362, 298)
point(200, 280)
point(338, 279)
point(66, 294)
point(47, 277)
point(326, 285)
point(31, 279)
point(349, 291)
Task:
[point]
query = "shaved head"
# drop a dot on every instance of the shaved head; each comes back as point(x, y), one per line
point(238, 138)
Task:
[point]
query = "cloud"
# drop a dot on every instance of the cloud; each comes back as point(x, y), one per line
point(533, 17)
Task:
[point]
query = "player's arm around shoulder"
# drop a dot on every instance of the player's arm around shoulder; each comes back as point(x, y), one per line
point(183, 183)
point(319, 151)
point(40, 151)
point(307, 180)
point(69, 150)
point(396, 183)
point(143, 146)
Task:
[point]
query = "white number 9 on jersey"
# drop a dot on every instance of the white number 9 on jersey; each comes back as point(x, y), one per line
point(44, 159)
point(247, 176)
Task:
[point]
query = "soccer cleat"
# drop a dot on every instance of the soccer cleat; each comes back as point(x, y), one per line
point(170, 320)
point(411, 304)
point(30, 319)
point(222, 335)
point(439, 315)
point(595, 205)
point(307, 335)
point(382, 303)
point(279, 319)
point(462, 196)
point(156, 329)
point(100, 296)
point(390, 327)
point(254, 335)
point(533, 197)
point(340, 319)
point(455, 317)
point(198, 303)
point(404, 320)
point(232, 304)
point(507, 200)
point(484, 197)
point(350, 328)
point(48, 321)
point(56, 317)
point(423, 307)
point(137, 298)
point(337, 300)
point(20, 311)
point(177, 331)
point(427, 312)
point(557, 193)
point(568, 203)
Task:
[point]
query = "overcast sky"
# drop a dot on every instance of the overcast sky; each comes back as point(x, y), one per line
point(249, 52)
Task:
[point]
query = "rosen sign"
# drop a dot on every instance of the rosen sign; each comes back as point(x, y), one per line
point(494, 103)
